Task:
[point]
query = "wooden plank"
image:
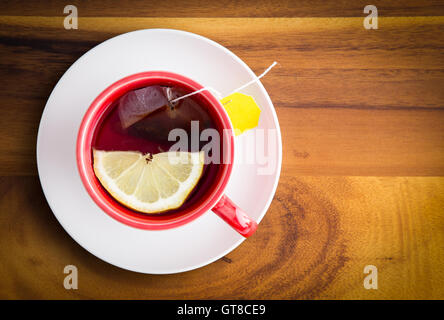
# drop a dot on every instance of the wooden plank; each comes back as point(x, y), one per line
point(372, 63)
point(315, 142)
point(362, 142)
point(386, 84)
point(314, 243)
point(224, 8)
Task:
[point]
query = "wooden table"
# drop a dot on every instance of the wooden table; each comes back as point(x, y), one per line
point(362, 119)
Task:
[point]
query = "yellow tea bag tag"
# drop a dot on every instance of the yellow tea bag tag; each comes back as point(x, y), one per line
point(243, 111)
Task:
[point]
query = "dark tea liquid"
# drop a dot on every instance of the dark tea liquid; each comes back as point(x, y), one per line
point(142, 119)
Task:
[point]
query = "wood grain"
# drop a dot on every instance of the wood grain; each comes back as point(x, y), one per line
point(223, 8)
point(389, 78)
point(361, 114)
point(314, 243)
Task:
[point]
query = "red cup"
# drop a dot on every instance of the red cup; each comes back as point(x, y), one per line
point(214, 199)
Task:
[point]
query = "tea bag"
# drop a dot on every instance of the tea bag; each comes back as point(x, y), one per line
point(137, 104)
point(157, 125)
point(150, 113)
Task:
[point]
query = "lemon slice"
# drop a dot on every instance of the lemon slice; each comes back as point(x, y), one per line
point(149, 183)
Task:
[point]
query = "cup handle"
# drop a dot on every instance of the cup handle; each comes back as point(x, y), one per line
point(235, 217)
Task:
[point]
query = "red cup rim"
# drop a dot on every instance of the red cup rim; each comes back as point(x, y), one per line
point(84, 159)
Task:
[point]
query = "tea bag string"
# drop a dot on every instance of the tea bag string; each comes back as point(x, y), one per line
point(256, 79)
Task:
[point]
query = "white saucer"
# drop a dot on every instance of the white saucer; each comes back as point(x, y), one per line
point(194, 245)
